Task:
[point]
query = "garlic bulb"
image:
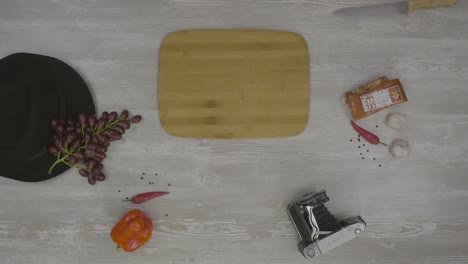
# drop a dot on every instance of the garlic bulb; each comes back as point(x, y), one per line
point(400, 148)
point(397, 120)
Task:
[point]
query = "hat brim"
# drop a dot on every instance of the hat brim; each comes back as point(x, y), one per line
point(77, 98)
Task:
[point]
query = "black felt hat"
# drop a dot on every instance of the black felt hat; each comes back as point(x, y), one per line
point(34, 89)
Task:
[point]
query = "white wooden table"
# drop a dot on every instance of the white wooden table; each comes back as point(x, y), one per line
point(228, 197)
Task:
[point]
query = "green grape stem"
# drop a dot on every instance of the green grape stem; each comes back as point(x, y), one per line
point(59, 159)
point(95, 132)
point(110, 124)
point(64, 160)
point(77, 167)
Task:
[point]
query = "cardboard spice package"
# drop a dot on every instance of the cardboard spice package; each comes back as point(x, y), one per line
point(375, 96)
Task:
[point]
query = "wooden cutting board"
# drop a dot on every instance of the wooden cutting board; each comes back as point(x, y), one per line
point(233, 83)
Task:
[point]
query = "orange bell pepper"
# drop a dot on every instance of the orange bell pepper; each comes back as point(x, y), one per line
point(132, 231)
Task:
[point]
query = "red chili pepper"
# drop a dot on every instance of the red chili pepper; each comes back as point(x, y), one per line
point(143, 197)
point(371, 138)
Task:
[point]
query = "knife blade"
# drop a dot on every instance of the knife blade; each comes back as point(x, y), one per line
point(385, 10)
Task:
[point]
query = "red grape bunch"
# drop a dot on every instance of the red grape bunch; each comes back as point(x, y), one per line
point(83, 143)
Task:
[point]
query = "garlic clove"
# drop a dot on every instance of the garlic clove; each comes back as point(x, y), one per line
point(400, 148)
point(396, 120)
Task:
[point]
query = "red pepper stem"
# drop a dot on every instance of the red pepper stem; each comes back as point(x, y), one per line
point(380, 142)
point(118, 248)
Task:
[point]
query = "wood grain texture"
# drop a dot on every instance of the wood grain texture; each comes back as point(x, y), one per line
point(228, 198)
point(416, 4)
point(233, 83)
